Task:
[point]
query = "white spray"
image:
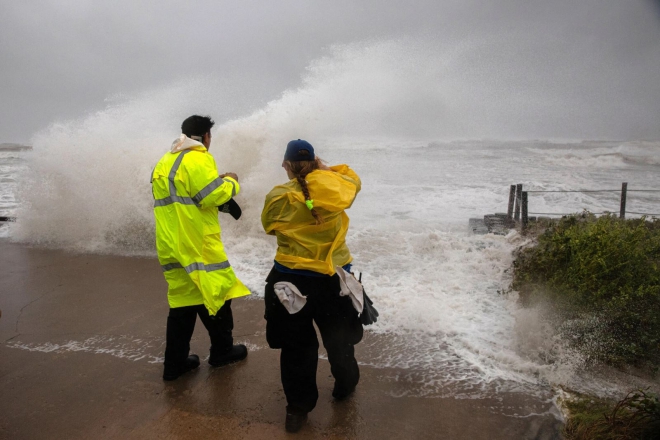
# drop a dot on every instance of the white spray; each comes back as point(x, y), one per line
point(377, 106)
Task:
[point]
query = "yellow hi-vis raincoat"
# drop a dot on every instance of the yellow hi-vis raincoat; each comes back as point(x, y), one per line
point(187, 193)
point(301, 243)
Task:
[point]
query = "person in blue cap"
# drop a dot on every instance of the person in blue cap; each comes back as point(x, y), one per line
point(307, 215)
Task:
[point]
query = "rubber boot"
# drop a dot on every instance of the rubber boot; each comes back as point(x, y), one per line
point(294, 421)
point(191, 363)
point(235, 354)
point(341, 393)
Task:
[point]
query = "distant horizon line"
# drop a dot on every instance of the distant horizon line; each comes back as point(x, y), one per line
point(21, 146)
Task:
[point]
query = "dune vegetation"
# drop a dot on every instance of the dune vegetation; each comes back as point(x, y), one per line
point(599, 280)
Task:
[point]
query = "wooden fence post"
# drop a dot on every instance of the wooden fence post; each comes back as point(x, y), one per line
point(518, 200)
point(509, 211)
point(525, 218)
point(624, 191)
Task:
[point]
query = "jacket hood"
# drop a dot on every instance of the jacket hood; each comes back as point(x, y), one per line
point(329, 190)
point(183, 142)
point(333, 190)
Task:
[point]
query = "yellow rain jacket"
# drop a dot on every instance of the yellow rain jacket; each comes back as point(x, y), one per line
point(187, 193)
point(301, 243)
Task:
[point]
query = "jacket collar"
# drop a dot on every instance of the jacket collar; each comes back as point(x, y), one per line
point(183, 142)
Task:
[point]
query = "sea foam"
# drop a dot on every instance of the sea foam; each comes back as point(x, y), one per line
point(389, 109)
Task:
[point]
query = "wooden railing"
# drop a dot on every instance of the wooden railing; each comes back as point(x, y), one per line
point(518, 212)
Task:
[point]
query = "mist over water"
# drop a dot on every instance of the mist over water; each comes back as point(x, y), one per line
point(399, 112)
point(523, 68)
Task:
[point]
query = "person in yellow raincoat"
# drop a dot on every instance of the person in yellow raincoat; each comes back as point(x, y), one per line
point(187, 192)
point(307, 216)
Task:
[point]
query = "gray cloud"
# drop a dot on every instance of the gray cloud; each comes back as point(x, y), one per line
point(596, 59)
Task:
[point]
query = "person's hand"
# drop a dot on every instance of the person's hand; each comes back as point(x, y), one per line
point(232, 175)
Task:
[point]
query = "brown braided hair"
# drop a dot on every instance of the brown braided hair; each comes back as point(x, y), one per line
point(300, 169)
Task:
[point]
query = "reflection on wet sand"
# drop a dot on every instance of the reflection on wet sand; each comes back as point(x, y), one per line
point(82, 354)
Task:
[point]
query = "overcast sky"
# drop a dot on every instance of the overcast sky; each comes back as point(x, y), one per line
point(62, 59)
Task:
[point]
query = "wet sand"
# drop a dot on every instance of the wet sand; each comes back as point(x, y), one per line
point(80, 358)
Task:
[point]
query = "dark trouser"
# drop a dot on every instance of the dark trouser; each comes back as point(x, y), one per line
point(180, 327)
point(340, 330)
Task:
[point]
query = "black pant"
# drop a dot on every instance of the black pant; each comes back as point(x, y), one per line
point(180, 327)
point(340, 330)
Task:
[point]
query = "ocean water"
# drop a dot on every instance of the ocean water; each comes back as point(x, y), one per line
point(12, 164)
point(436, 286)
point(381, 109)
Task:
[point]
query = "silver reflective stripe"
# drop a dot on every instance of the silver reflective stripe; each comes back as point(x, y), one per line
point(194, 266)
point(175, 168)
point(171, 266)
point(173, 198)
point(176, 199)
point(197, 266)
point(217, 266)
point(208, 189)
point(163, 202)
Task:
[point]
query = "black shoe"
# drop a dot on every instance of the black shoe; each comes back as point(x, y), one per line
point(294, 421)
point(340, 393)
point(192, 362)
point(235, 354)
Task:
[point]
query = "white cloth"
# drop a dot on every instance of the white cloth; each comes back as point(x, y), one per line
point(183, 142)
point(351, 287)
point(290, 296)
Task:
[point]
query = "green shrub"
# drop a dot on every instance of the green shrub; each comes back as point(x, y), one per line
point(637, 416)
point(602, 277)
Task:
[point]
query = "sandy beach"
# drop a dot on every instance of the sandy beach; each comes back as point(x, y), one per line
point(82, 341)
point(439, 106)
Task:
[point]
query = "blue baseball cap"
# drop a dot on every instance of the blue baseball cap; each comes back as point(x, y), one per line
point(294, 151)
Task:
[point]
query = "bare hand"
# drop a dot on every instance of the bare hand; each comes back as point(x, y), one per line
point(232, 175)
